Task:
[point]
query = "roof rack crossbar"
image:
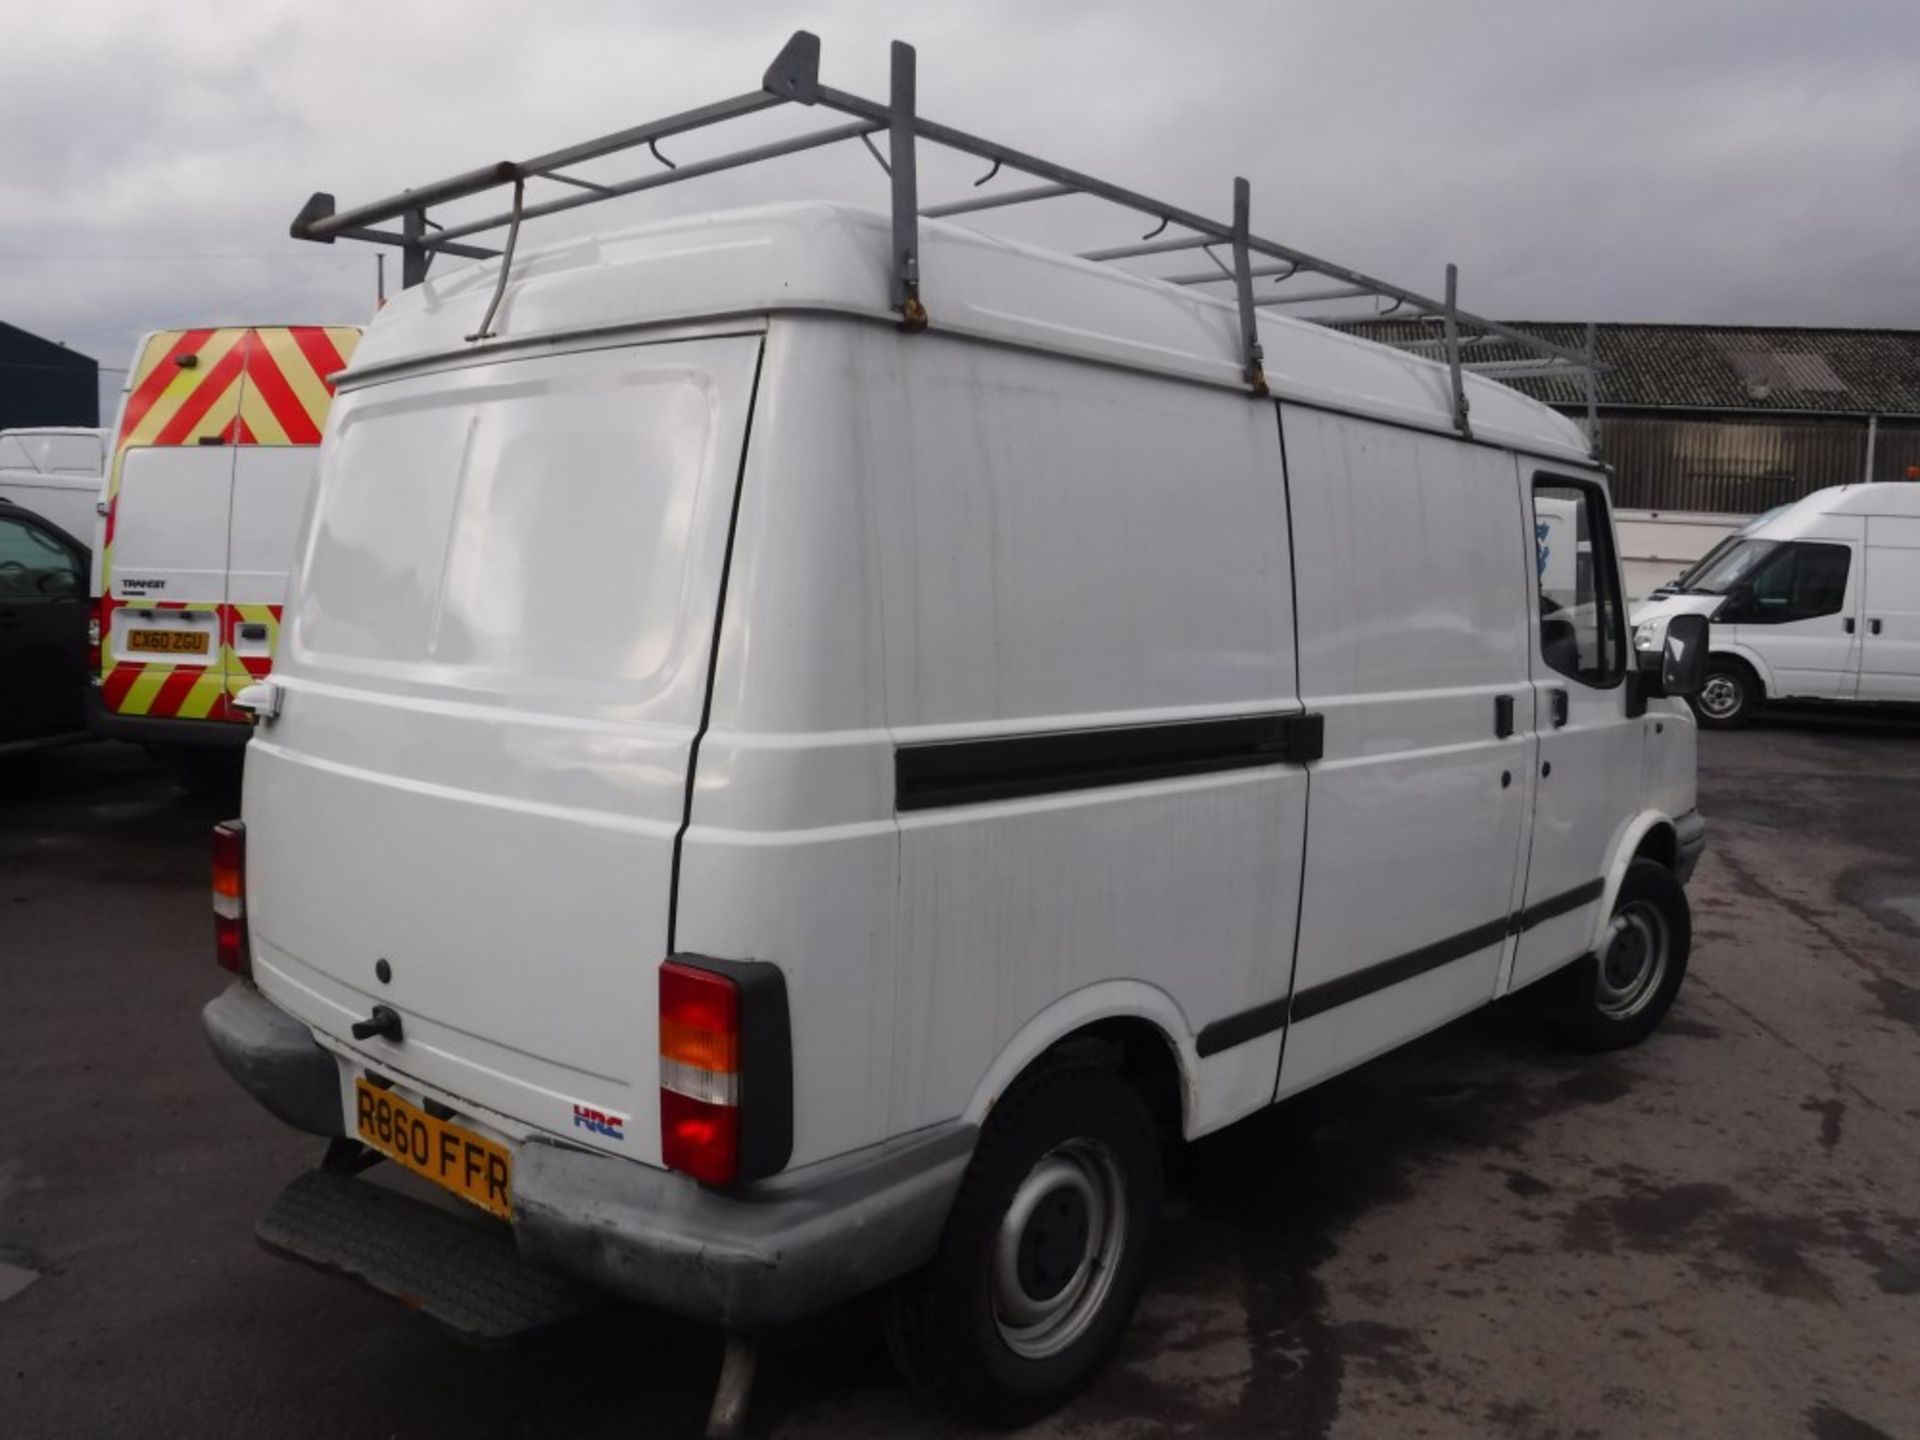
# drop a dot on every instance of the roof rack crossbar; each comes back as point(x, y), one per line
point(689, 169)
point(1344, 292)
point(793, 78)
point(1155, 247)
point(994, 202)
point(1212, 277)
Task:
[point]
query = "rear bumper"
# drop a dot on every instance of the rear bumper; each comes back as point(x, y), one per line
point(756, 1258)
point(1690, 830)
point(162, 730)
point(274, 1058)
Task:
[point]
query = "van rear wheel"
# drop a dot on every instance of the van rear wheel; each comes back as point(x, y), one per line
point(1044, 1255)
point(1616, 996)
point(1730, 696)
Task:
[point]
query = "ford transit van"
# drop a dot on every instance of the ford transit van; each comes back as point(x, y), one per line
point(774, 788)
point(1818, 600)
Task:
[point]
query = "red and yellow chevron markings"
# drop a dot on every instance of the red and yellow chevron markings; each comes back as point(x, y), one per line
point(233, 386)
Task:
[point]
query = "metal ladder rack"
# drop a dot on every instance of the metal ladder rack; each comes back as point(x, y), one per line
point(794, 79)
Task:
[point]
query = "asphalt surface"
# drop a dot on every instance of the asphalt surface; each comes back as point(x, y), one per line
point(1715, 1234)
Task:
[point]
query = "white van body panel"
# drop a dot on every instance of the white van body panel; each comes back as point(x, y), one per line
point(823, 257)
point(495, 769)
point(69, 501)
point(75, 450)
point(539, 587)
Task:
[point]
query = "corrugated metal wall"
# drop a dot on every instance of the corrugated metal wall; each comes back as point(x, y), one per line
point(1739, 467)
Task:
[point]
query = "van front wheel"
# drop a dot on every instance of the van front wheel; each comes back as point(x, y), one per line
point(1730, 696)
point(1044, 1254)
point(1616, 996)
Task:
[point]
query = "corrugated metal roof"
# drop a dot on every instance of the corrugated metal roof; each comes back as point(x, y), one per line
point(1712, 367)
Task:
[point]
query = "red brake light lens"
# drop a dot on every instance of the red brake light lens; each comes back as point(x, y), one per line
point(699, 1073)
point(230, 897)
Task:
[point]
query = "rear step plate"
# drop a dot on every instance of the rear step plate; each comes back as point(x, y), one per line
point(461, 1273)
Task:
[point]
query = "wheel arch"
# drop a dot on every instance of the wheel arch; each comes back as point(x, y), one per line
point(1746, 655)
point(1135, 1026)
point(1650, 835)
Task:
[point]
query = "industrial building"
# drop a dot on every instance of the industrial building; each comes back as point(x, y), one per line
point(1724, 420)
point(44, 383)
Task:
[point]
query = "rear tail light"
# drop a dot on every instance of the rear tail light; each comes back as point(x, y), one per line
point(230, 897)
point(726, 1070)
point(95, 634)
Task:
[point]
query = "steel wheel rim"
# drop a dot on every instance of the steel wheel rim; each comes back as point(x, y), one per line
point(1633, 961)
point(1058, 1248)
point(1721, 695)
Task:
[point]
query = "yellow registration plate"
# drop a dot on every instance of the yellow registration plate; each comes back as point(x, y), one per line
point(168, 642)
point(471, 1167)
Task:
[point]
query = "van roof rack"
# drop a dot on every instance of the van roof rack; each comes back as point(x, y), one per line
point(794, 79)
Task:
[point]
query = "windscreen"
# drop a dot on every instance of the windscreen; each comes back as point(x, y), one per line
point(515, 529)
point(1726, 567)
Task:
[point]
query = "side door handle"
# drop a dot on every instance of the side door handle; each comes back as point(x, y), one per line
point(1848, 624)
point(1502, 716)
point(1558, 704)
point(1873, 627)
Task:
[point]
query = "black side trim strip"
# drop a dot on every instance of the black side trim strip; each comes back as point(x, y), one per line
point(1345, 989)
point(1273, 1015)
point(1556, 905)
point(1239, 1029)
point(971, 772)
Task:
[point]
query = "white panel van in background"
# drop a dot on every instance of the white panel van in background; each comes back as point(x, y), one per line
point(770, 802)
point(56, 473)
point(1819, 600)
point(213, 457)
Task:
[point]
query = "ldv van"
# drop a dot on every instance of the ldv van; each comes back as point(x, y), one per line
point(771, 790)
point(213, 455)
point(1818, 600)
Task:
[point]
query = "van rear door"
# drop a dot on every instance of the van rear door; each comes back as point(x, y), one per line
point(285, 397)
point(163, 559)
point(494, 666)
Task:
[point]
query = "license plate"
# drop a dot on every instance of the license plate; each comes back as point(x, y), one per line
point(168, 642)
point(471, 1167)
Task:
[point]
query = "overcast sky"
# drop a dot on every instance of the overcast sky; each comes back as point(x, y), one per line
point(1683, 160)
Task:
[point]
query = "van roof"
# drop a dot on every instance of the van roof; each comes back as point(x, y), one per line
point(832, 258)
point(1899, 498)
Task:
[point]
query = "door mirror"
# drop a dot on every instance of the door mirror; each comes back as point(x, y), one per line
point(1683, 656)
point(1671, 655)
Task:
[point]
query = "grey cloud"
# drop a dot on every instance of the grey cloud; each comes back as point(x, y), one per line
point(1713, 160)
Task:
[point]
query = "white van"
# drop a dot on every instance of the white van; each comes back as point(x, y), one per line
point(771, 803)
point(215, 447)
point(1818, 600)
point(55, 473)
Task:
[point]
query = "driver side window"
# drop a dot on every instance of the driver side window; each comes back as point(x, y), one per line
point(1582, 622)
point(1799, 581)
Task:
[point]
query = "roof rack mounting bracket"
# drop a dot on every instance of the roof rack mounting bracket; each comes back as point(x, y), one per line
point(1243, 287)
point(795, 72)
point(415, 257)
point(901, 171)
point(319, 206)
point(486, 331)
point(1458, 385)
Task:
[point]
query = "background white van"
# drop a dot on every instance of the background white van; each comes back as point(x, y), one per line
point(1818, 600)
point(213, 457)
point(56, 473)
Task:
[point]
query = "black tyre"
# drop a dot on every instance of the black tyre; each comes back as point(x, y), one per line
point(1730, 696)
point(1045, 1252)
point(1617, 997)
